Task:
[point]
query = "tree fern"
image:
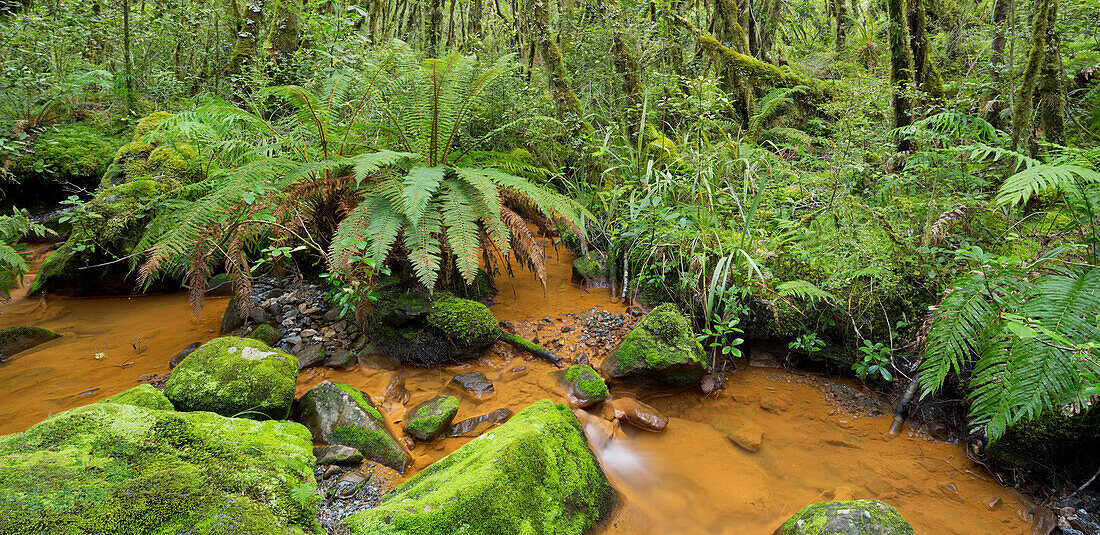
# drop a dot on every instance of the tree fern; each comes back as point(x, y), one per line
point(1022, 340)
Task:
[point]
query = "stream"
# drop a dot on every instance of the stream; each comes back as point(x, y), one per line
point(691, 479)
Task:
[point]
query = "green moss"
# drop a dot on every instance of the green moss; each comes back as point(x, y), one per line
point(149, 123)
point(180, 161)
point(1052, 446)
point(235, 376)
point(112, 468)
point(16, 339)
point(143, 395)
point(469, 322)
point(533, 474)
point(70, 152)
point(430, 419)
point(339, 414)
point(266, 334)
point(587, 381)
point(589, 266)
point(661, 346)
point(865, 517)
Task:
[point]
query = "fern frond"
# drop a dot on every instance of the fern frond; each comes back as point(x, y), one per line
point(1022, 186)
point(418, 188)
point(804, 290)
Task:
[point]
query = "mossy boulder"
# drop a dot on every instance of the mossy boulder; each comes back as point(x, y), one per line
point(431, 419)
point(661, 348)
point(108, 227)
point(1051, 446)
point(585, 387)
point(533, 475)
point(235, 376)
point(77, 154)
point(16, 339)
point(338, 414)
point(143, 395)
point(590, 270)
point(113, 468)
point(418, 331)
point(266, 334)
point(855, 517)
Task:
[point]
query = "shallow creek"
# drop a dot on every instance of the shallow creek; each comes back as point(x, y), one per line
point(691, 479)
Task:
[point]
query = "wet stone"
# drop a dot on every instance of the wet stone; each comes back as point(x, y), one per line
point(176, 360)
point(337, 455)
point(395, 389)
point(310, 356)
point(639, 415)
point(343, 360)
point(479, 424)
point(473, 384)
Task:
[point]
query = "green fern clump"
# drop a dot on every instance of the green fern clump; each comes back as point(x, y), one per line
point(433, 199)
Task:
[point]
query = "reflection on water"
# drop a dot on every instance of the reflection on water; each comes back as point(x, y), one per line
point(693, 478)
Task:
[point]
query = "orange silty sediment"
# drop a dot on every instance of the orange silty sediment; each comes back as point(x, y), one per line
point(697, 477)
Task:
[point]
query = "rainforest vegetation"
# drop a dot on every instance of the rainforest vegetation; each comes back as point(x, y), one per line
point(903, 192)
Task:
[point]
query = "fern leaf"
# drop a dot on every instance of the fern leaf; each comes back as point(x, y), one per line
point(418, 188)
point(804, 290)
point(1022, 186)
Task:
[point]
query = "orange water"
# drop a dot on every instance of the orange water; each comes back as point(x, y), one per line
point(691, 479)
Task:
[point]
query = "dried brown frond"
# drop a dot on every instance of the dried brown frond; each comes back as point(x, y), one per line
point(525, 246)
point(940, 228)
point(198, 273)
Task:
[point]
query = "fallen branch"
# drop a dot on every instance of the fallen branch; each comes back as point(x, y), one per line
point(901, 412)
point(755, 69)
point(530, 347)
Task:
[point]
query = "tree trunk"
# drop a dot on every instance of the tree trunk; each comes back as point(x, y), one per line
point(127, 60)
point(1021, 113)
point(843, 22)
point(925, 74)
point(768, 31)
point(283, 40)
point(634, 91)
point(901, 66)
point(1052, 85)
point(435, 27)
point(247, 37)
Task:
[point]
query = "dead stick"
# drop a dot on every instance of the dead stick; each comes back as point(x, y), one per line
point(901, 412)
point(530, 347)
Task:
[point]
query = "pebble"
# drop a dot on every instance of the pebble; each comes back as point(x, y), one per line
point(639, 415)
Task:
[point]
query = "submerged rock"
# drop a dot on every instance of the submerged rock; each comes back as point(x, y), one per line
point(474, 385)
point(338, 414)
point(143, 395)
point(178, 358)
point(856, 517)
point(477, 424)
point(420, 332)
point(235, 376)
point(16, 339)
point(639, 415)
point(661, 348)
point(534, 474)
point(586, 387)
point(590, 270)
point(112, 468)
point(429, 420)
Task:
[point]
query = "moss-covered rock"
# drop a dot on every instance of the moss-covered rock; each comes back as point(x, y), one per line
point(76, 154)
point(432, 418)
point(856, 517)
point(586, 387)
point(1051, 446)
point(16, 339)
point(108, 227)
point(662, 348)
point(535, 474)
point(235, 376)
point(412, 328)
point(143, 395)
point(338, 414)
point(112, 468)
point(266, 334)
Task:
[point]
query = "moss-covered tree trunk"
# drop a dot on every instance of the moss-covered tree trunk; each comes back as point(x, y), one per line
point(434, 28)
point(843, 23)
point(901, 67)
point(1025, 100)
point(127, 59)
point(284, 39)
point(634, 92)
point(769, 29)
point(925, 74)
point(1002, 12)
point(248, 36)
point(1052, 85)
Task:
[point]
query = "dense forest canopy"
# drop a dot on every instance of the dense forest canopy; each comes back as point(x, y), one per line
point(903, 189)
